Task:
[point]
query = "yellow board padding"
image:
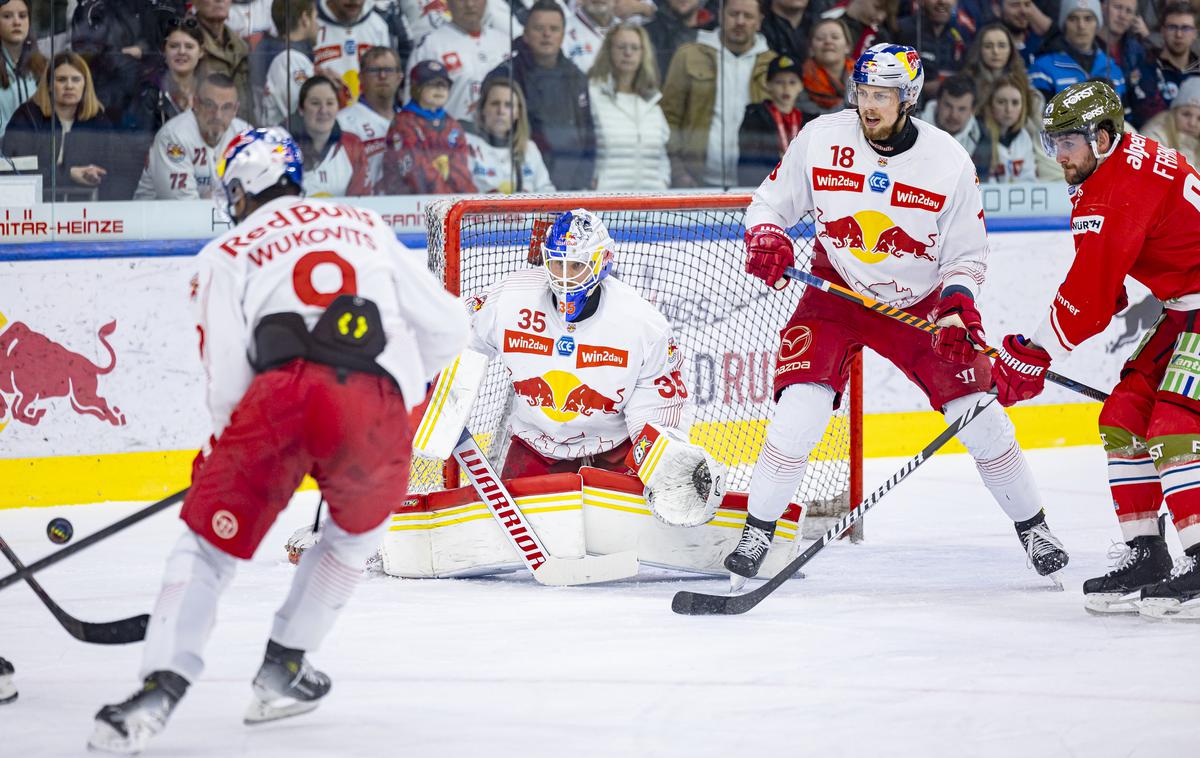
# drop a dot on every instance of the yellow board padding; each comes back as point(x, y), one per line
point(68, 480)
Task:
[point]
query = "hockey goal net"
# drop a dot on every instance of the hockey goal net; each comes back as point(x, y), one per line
point(685, 255)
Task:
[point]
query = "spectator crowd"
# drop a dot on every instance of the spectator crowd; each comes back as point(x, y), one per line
point(124, 99)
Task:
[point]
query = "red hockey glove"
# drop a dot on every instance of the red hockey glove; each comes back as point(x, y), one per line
point(1122, 301)
point(768, 252)
point(961, 328)
point(1020, 370)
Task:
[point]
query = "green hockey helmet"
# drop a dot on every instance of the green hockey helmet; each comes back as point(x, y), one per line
point(1082, 109)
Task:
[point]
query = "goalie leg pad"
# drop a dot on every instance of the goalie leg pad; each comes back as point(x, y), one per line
point(196, 574)
point(801, 415)
point(992, 442)
point(328, 573)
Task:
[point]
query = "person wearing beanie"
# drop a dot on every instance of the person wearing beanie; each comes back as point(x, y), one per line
point(770, 126)
point(1179, 127)
point(1073, 56)
point(426, 147)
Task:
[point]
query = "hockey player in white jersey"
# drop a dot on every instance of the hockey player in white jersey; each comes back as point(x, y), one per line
point(590, 361)
point(307, 310)
point(899, 218)
point(182, 160)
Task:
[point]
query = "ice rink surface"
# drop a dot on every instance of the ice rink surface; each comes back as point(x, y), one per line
point(930, 639)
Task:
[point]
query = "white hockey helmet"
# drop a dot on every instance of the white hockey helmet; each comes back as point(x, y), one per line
point(255, 160)
point(578, 254)
point(887, 65)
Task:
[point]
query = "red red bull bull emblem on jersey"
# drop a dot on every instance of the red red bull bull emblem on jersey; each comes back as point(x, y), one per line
point(871, 237)
point(35, 368)
point(563, 397)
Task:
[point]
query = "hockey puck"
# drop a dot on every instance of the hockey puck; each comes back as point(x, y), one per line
point(60, 531)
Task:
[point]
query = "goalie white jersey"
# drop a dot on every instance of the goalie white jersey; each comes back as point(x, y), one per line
point(582, 388)
point(883, 222)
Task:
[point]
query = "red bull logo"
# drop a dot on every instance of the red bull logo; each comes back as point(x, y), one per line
point(35, 368)
point(872, 237)
point(563, 397)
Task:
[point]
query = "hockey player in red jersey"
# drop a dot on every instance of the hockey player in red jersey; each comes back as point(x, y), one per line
point(1136, 212)
point(899, 218)
point(318, 334)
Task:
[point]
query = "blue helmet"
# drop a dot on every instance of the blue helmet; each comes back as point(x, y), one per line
point(578, 255)
point(255, 160)
point(886, 65)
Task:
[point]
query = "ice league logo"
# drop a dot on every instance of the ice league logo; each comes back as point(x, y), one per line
point(35, 368)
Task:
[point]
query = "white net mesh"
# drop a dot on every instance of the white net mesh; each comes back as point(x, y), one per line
point(685, 257)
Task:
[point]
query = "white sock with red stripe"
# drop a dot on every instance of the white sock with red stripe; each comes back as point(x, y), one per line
point(992, 442)
point(325, 580)
point(800, 419)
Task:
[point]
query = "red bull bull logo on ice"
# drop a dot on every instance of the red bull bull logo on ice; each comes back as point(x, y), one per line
point(563, 397)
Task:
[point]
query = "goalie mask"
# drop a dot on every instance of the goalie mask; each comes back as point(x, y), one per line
point(577, 254)
point(256, 160)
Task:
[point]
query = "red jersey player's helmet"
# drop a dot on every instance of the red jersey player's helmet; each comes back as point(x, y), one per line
point(1082, 109)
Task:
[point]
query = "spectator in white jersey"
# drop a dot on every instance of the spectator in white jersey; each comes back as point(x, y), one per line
point(346, 29)
point(183, 158)
point(631, 130)
point(468, 49)
point(371, 116)
point(503, 158)
point(290, 62)
point(585, 31)
point(334, 162)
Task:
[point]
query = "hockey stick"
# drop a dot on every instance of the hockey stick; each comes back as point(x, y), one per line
point(119, 632)
point(91, 539)
point(546, 569)
point(698, 604)
point(920, 323)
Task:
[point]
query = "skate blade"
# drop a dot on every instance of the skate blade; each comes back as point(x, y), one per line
point(106, 739)
point(260, 711)
point(1169, 609)
point(1112, 603)
point(1056, 581)
point(736, 583)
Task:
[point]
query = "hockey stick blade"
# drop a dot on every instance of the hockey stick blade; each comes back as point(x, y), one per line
point(917, 322)
point(120, 632)
point(699, 604)
point(92, 539)
point(591, 569)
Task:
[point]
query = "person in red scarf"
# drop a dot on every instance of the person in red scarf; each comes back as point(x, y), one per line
point(828, 67)
point(769, 127)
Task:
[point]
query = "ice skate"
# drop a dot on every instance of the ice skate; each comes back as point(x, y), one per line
point(1139, 563)
point(286, 685)
point(1178, 596)
point(747, 558)
point(8, 688)
point(126, 727)
point(1045, 552)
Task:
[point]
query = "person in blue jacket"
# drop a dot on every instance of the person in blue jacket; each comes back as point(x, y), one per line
point(1073, 56)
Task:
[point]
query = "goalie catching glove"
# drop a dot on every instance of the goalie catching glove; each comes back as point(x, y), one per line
point(684, 484)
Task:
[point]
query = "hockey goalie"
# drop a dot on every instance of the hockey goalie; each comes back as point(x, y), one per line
point(597, 457)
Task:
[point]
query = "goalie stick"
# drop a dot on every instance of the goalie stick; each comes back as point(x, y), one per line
point(915, 321)
point(119, 632)
point(546, 569)
point(699, 604)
